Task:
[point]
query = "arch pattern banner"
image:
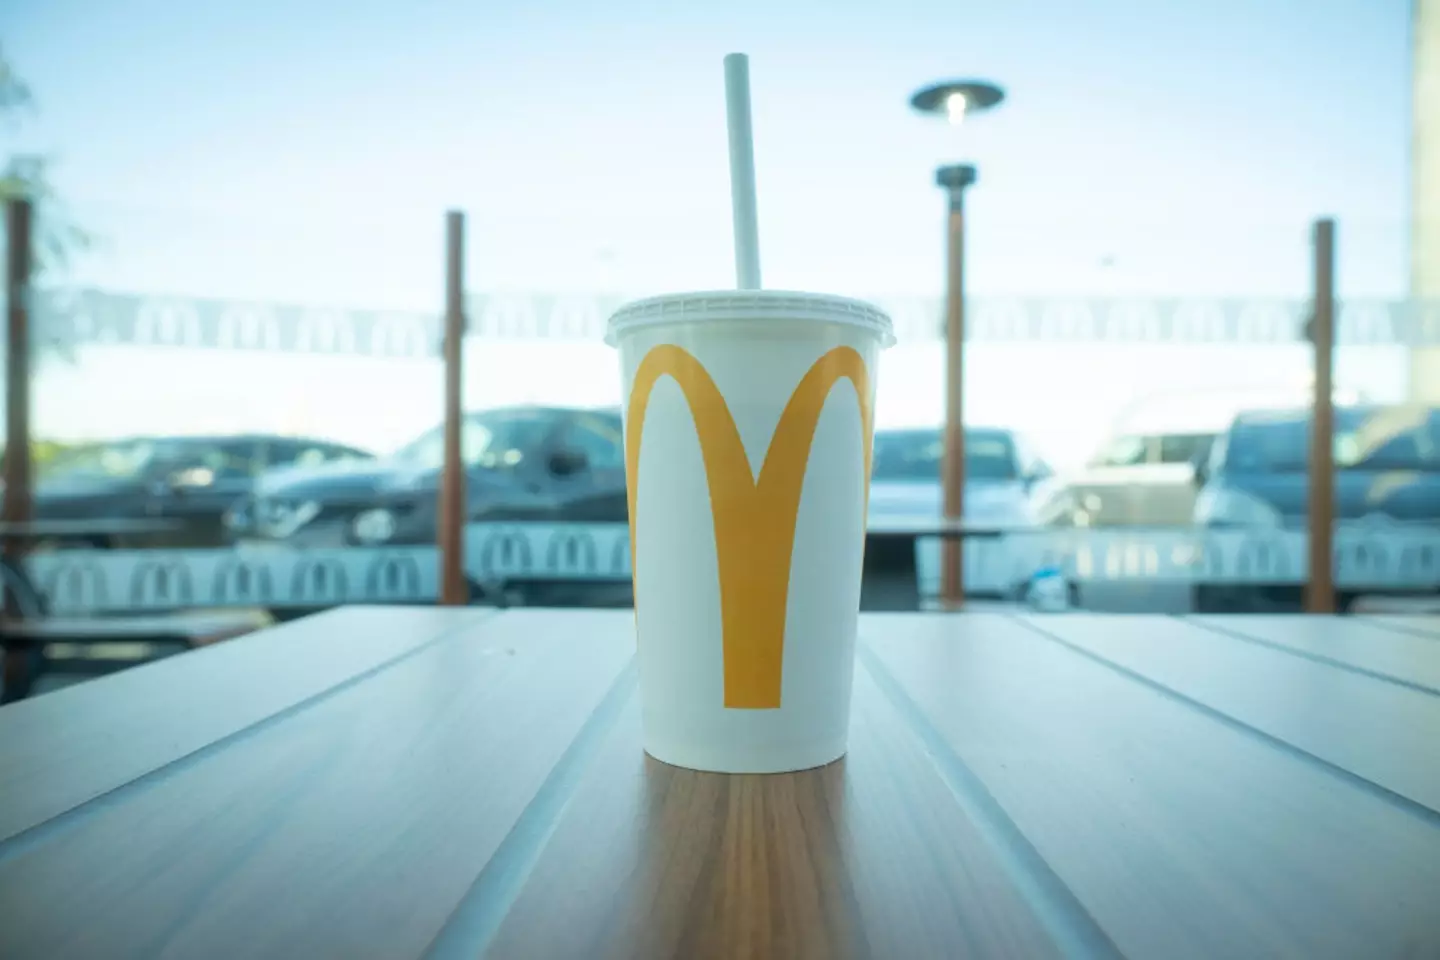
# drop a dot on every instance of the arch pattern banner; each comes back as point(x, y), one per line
point(97, 317)
point(84, 581)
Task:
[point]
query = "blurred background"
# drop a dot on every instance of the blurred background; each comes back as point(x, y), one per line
point(239, 276)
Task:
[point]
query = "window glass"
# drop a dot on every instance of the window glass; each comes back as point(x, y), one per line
point(1185, 447)
point(916, 455)
point(299, 453)
point(1123, 452)
point(233, 461)
point(600, 439)
point(500, 439)
point(1365, 439)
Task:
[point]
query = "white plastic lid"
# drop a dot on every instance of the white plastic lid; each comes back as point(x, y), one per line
point(722, 306)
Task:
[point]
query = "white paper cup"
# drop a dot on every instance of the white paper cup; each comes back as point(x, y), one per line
point(748, 434)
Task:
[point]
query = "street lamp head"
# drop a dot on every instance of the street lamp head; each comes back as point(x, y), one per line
point(955, 178)
point(957, 99)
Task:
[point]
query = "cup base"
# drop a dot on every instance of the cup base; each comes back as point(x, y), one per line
point(747, 758)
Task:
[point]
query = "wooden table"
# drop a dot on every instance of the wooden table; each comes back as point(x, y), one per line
point(385, 782)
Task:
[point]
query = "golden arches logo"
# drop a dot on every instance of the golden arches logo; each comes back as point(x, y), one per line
point(754, 518)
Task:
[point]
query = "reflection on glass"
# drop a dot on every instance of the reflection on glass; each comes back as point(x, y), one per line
point(1365, 439)
point(486, 440)
point(120, 461)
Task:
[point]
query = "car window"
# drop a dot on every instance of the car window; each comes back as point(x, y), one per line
point(1185, 447)
point(916, 455)
point(1396, 438)
point(300, 453)
point(599, 438)
point(200, 464)
point(335, 453)
point(1126, 451)
point(502, 438)
point(235, 460)
point(123, 460)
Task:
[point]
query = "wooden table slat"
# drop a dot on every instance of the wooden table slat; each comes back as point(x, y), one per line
point(351, 828)
point(435, 783)
point(1348, 641)
point(70, 746)
point(1372, 729)
point(1424, 624)
point(818, 864)
point(1183, 837)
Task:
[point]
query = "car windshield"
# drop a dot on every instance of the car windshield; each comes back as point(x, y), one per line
point(492, 440)
point(1122, 451)
point(1398, 438)
point(916, 455)
point(115, 461)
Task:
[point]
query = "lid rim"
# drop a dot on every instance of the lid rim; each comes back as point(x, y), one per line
point(739, 305)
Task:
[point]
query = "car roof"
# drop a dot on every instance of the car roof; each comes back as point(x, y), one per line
point(935, 431)
point(538, 408)
point(1292, 414)
point(184, 438)
point(1205, 411)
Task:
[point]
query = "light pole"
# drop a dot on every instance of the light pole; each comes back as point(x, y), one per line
point(955, 101)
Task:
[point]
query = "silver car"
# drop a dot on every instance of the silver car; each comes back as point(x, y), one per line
point(1007, 485)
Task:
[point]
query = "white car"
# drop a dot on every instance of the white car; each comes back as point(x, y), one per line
point(1143, 474)
point(1007, 485)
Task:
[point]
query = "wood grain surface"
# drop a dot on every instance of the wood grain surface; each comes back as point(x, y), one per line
point(71, 746)
point(1426, 625)
point(1352, 643)
point(1373, 730)
point(1015, 786)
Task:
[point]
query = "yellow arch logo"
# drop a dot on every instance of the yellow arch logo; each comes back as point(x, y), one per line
point(754, 519)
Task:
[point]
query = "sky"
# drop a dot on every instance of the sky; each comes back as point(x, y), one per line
point(306, 152)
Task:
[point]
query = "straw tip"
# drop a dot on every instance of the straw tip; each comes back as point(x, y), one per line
point(733, 58)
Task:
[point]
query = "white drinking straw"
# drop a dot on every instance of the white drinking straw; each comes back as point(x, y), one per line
point(742, 171)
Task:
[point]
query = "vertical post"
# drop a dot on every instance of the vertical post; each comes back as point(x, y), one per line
point(454, 590)
point(1320, 584)
point(1424, 193)
point(17, 471)
point(16, 468)
point(952, 471)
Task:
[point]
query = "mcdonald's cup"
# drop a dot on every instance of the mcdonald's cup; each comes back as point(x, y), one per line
point(747, 444)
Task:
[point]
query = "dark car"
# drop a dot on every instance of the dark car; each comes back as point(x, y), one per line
point(522, 463)
point(1387, 476)
point(189, 482)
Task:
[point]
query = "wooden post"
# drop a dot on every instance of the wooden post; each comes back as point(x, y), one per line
point(17, 500)
point(16, 504)
point(1320, 524)
point(454, 590)
point(952, 470)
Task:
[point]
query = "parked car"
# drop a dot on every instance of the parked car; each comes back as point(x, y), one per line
point(190, 481)
point(1143, 473)
point(1256, 478)
point(1007, 484)
point(536, 463)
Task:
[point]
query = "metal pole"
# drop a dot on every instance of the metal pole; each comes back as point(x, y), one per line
point(454, 590)
point(1320, 584)
point(952, 473)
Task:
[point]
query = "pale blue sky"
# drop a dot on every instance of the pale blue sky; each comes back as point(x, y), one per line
point(306, 152)
point(301, 149)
